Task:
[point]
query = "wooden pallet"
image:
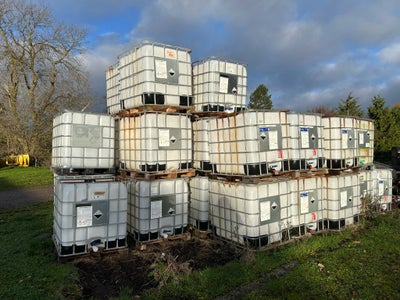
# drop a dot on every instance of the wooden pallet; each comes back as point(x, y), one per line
point(341, 172)
point(201, 234)
point(249, 178)
point(157, 175)
point(133, 112)
point(142, 245)
point(219, 114)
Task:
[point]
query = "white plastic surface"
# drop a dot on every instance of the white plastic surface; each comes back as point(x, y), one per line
point(83, 140)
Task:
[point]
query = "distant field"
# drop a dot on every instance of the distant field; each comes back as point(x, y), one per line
point(19, 177)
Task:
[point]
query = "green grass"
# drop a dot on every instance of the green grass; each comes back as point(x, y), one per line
point(359, 263)
point(29, 268)
point(19, 177)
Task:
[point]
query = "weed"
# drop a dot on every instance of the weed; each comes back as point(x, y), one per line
point(166, 269)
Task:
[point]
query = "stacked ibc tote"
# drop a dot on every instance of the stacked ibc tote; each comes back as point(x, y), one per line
point(149, 92)
point(267, 176)
point(90, 205)
point(219, 90)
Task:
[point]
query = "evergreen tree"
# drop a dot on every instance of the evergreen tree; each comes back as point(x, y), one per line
point(350, 107)
point(386, 120)
point(260, 99)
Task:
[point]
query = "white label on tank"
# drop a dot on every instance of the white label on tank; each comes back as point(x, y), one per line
point(156, 209)
point(361, 138)
point(304, 203)
point(381, 187)
point(305, 141)
point(273, 140)
point(161, 69)
point(265, 211)
point(223, 84)
point(84, 216)
point(345, 138)
point(343, 198)
point(163, 138)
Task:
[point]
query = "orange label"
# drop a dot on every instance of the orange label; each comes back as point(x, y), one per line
point(170, 53)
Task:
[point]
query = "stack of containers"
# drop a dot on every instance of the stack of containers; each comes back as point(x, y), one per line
point(155, 142)
point(366, 184)
point(250, 143)
point(306, 141)
point(306, 204)
point(201, 144)
point(155, 137)
point(90, 206)
point(219, 90)
point(112, 90)
point(365, 128)
point(219, 85)
point(341, 142)
point(252, 214)
point(342, 203)
point(151, 73)
point(199, 212)
point(382, 180)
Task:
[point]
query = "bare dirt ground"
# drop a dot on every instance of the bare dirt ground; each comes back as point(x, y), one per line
point(102, 276)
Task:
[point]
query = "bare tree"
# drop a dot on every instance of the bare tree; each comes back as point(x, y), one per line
point(40, 75)
point(323, 110)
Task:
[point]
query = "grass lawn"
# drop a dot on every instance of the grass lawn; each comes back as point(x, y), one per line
point(19, 177)
point(358, 263)
point(361, 262)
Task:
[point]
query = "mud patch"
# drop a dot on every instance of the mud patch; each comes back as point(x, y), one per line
point(102, 276)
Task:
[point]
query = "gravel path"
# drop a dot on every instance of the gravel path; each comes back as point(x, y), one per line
point(21, 197)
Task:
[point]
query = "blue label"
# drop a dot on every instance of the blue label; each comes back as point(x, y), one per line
point(345, 131)
point(303, 194)
point(264, 129)
point(303, 129)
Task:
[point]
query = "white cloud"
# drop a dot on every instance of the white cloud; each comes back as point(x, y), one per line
point(390, 54)
point(306, 52)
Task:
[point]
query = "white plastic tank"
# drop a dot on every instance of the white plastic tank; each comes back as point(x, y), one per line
point(112, 90)
point(219, 85)
point(83, 141)
point(306, 204)
point(342, 203)
point(365, 128)
point(382, 182)
point(199, 203)
point(89, 212)
point(157, 208)
point(366, 184)
point(155, 73)
point(201, 144)
point(340, 142)
point(254, 214)
point(306, 141)
point(155, 142)
point(250, 143)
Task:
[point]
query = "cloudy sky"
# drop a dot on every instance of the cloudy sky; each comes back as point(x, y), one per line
point(307, 52)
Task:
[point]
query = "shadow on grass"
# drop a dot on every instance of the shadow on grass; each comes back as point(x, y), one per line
point(21, 187)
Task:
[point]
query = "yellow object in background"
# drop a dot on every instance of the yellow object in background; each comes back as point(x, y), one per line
point(18, 160)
